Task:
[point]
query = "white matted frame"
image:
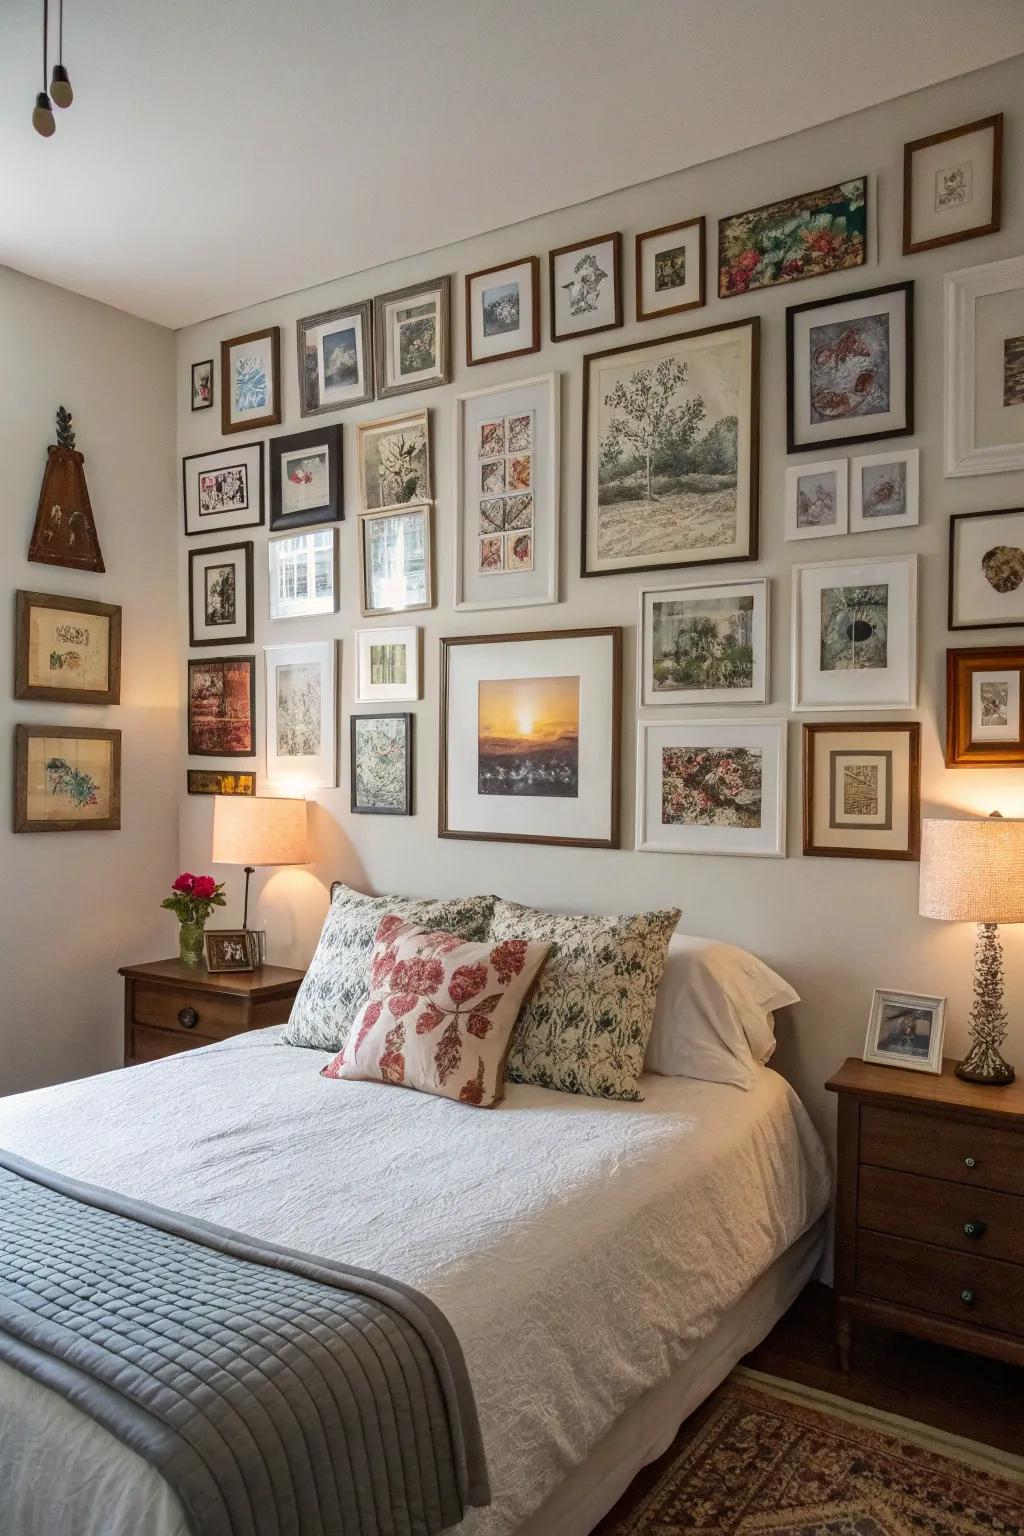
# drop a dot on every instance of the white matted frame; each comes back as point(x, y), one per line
point(748, 828)
point(881, 676)
point(301, 719)
point(868, 472)
point(406, 682)
point(894, 1037)
point(805, 484)
point(984, 405)
point(223, 489)
point(704, 598)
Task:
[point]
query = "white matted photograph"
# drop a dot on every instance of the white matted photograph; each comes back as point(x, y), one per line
point(704, 644)
point(712, 786)
point(884, 490)
point(816, 499)
point(301, 715)
point(387, 664)
point(855, 634)
point(905, 1029)
point(985, 368)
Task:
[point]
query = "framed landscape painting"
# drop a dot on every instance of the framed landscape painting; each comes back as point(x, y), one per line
point(985, 368)
point(704, 644)
point(335, 359)
point(67, 650)
point(381, 749)
point(66, 779)
point(219, 781)
point(305, 479)
point(805, 236)
point(412, 337)
point(862, 790)
point(301, 722)
point(222, 706)
point(220, 610)
point(712, 786)
point(586, 286)
point(223, 489)
point(986, 570)
point(884, 490)
point(670, 269)
point(250, 381)
point(855, 634)
point(984, 724)
point(394, 461)
point(503, 311)
point(816, 499)
point(952, 185)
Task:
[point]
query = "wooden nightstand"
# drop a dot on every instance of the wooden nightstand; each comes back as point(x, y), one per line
point(170, 1007)
point(930, 1209)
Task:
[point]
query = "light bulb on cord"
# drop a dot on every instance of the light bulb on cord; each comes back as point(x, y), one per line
point(60, 81)
point(42, 114)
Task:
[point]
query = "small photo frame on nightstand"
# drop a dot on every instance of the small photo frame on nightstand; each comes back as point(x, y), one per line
point(905, 1029)
point(229, 949)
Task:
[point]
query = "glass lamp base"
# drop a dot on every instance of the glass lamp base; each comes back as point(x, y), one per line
point(983, 1064)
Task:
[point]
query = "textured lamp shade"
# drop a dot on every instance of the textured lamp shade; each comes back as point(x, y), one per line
point(973, 871)
point(256, 830)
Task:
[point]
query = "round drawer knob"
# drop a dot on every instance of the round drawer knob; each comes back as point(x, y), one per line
point(973, 1228)
point(969, 1162)
point(188, 1018)
point(967, 1297)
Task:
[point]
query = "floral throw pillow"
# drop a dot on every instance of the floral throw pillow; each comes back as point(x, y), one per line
point(586, 1025)
point(338, 980)
point(440, 1013)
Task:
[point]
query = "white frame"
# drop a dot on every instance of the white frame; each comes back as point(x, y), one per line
point(773, 732)
point(301, 774)
point(301, 608)
point(911, 457)
point(794, 474)
point(860, 698)
point(368, 692)
point(217, 522)
point(384, 428)
point(757, 693)
point(933, 1062)
point(963, 290)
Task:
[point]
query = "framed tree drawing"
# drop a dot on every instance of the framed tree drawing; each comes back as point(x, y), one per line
point(301, 719)
point(381, 764)
point(712, 786)
point(250, 381)
point(985, 368)
point(220, 581)
point(67, 650)
point(222, 706)
point(66, 779)
point(862, 790)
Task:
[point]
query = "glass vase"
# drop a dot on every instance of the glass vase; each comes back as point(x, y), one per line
point(190, 943)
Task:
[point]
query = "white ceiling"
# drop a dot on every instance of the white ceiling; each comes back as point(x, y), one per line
point(221, 152)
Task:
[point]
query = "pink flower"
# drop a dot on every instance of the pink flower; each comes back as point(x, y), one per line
point(184, 884)
point(203, 887)
point(466, 982)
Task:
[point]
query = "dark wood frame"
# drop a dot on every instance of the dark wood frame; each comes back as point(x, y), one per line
point(23, 734)
point(447, 645)
point(961, 751)
point(581, 245)
point(907, 289)
point(373, 810)
point(364, 310)
point(745, 213)
point(651, 234)
point(754, 326)
point(207, 362)
point(334, 509)
point(912, 730)
point(193, 776)
point(212, 453)
point(234, 933)
point(23, 689)
point(207, 661)
point(194, 556)
point(442, 286)
point(271, 333)
point(910, 246)
point(427, 509)
point(961, 517)
point(533, 262)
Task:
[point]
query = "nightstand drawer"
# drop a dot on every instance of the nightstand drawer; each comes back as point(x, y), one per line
point(984, 1293)
point(216, 1017)
point(979, 1221)
point(980, 1156)
point(155, 1044)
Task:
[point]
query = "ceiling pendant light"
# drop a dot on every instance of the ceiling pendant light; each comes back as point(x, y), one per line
point(60, 82)
point(42, 116)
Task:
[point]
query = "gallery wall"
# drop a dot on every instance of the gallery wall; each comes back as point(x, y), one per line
point(836, 928)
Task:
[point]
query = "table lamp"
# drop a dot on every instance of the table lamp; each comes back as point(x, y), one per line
point(251, 830)
point(973, 872)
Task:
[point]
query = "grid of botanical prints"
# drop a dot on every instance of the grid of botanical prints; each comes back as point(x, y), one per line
point(505, 494)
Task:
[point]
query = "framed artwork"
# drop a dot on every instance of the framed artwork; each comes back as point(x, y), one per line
point(506, 477)
point(530, 737)
point(503, 311)
point(984, 727)
point(905, 1029)
point(222, 706)
point(986, 570)
point(335, 358)
point(396, 560)
point(66, 779)
point(850, 368)
point(223, 490)
point(67, 650)
point(387, 665)
point(816, 499)
point(229, 949)
point(394, 462)
point(952, 185)
point(985, 368)
point(305, 479)
point(303, 573)
point(301, 720)
point(798, 237)
point(855, 634)
point(705, 644)
point(412, 336)
point(586, 287)
point(250, 381)
point(381, 768)
point(220, 608)
point(218, 781)
point(862, 790)
point(670, 269)
point(670, 451)
point(884, 490)
point(712, 786)
point(202, 385)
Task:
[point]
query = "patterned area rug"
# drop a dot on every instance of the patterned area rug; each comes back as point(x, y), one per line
point(765, 1458)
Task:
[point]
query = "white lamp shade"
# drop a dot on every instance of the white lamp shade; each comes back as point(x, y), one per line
point(250, 829)
point(973, 871)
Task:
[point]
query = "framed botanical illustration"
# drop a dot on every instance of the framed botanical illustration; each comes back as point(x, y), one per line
point(223, 489)
point(985, 368)
point(301, 719)
point(220, 608)
point(503, 311)
point(381, 767)
point(229, 949)
point(394, 462)
point(303, 573)
point(798, 237)
point(984, 725)
point(305, 478)
point(412, 337)
point(670, 451)
point(220, 781)
point(952, 185)
point(66, 779)
point(670, 269)
point(986, 570)
point(506, 477)
point(335, 358)
point(705, 644)
point(905, 1029)
point(586, 286)
point(396, 560)
point(850, 368)
point(862, 790)
point(222, 706)
point(855, 634)
point(202, 385)
point(250, 381)
point(387, 665)
point(712, 786)
point(816, 499)
point(530, 737)
point(67, 650)
point(884, 490)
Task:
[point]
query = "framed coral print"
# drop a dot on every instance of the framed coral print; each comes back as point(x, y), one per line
point(381, 767)
point(884, 490)
point(905, 1029)
point(503, 311)
point(986, 570)
point(985, 368)
point(670, 269)
point(712, 786)
point(303, 573)
point(67, 650)
point(396, 560)
point(218, 781)
point(202, 385)
point(222, 706)
point(250, 381)
point(850, 368)
point(952, 185)
point(705, 644)
point(305, 479)
point(301, 721)
point(223, 489)
point(412, 337)
point(335, 359)
point(984, 726)
point(394, 462)
point(66, 779)
point(804, 236)
point(862, 790)
point(816, 499)
point(586, 287)
point(220, 609)
point(855, 634)
point(387, 665)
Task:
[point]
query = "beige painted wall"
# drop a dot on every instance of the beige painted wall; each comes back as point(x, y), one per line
point(836, 928)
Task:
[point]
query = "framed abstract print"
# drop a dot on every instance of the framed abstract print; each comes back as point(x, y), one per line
point(670, 451)
point(503, 311)
point(884, 490)
point(670, 269)
point(712, 786)
point(412, 337)
point(984, 725)
point(952, 185)
point(394, 461)
point(586, 287)
point(223, 489)
point(816, 499)
point(986, 570)
point(301, 718)
point(305, 479)
point(202, 385)
point(67, 650)
point(66, 779)
point(862, 790)
point(396, 560)
point(222, 706)
point(705, 644)
point(850, 368)
point(250, 381)
point(219, 781)
point(335, 358)
point(985, 368)
point(387, 665)
point(381, 766)
point(905, 1029)
point(220, 607)
point(805, 236)
point(506, 477)
point(530, 737)
point(855, 634)
point(303, 573)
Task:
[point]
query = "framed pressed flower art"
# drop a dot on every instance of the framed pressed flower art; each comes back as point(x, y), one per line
point(394, 461)
point(712, 786)
point(67, 778)
point(67, 650)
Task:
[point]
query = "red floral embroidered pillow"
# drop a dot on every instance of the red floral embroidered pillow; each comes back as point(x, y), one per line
point(440, 1013)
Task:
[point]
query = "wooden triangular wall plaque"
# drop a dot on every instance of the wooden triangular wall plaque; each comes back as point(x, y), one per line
point(64, 531)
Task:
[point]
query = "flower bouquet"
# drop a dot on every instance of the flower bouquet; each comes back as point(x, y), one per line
point(192, 899)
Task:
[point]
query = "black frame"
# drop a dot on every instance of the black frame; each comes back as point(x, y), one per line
point(250, 617)
point(213, 453)
point(207, 362)
point(367, 810)
point(963, 517)
point(205, 661)
point(333, 511)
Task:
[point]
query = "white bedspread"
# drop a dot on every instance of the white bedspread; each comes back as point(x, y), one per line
point(580, 1248)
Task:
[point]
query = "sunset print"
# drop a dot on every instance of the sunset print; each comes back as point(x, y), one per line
point(528, 736)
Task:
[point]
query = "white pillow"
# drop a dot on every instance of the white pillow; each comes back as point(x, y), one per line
point(713, 1018)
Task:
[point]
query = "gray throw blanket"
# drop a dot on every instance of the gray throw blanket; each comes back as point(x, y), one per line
point(277, 1394)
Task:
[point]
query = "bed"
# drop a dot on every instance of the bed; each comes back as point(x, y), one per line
point(604, 1264)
